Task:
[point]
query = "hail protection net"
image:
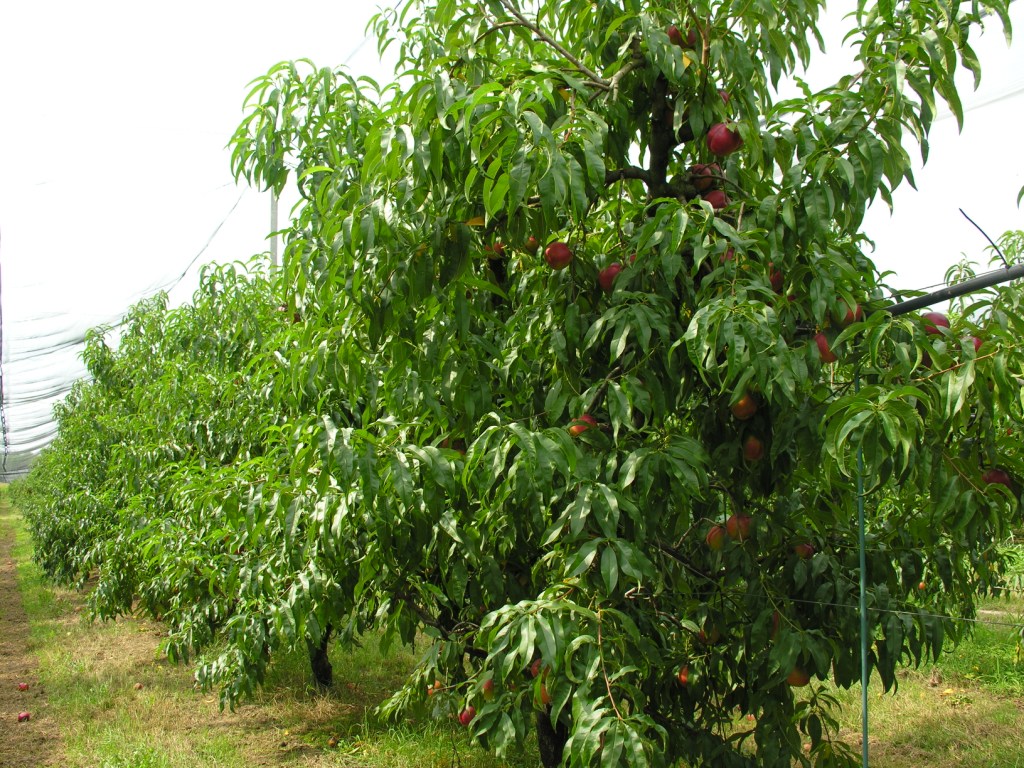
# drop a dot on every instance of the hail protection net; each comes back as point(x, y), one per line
point(46, 314)
point(122, 187)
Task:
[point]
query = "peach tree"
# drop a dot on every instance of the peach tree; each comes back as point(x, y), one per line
point(581, 370)
point(599, 356)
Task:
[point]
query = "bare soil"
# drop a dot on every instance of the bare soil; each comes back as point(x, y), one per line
point(35, 742)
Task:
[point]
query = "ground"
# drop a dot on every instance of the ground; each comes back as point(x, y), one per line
point(37, 741)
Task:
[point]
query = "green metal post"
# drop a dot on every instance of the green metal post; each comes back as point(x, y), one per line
point(864, 673)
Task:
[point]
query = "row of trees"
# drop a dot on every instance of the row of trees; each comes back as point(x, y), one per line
point(547, 379)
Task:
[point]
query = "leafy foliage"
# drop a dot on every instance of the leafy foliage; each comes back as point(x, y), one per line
point(400, 443)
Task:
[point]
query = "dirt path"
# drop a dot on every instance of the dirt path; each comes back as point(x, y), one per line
point(37, 741)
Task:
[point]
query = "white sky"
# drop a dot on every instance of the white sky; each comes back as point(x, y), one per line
point(114, 172)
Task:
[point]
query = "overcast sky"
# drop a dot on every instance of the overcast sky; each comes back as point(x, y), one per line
point(115, 174)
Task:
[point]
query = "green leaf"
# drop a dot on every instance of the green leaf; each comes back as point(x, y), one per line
point(609, 569)
point(495, 193)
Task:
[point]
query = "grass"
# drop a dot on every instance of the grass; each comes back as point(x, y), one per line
point(966, 711)
point(952, 724)
point(994, 657)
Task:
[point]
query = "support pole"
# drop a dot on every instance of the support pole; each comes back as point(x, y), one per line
point(273, 232)
point(865, 674)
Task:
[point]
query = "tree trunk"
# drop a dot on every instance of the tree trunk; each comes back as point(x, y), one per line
point(323, 673)
point(550, 740)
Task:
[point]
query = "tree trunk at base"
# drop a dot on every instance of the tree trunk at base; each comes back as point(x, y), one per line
point(550, 741)
point(319, 662)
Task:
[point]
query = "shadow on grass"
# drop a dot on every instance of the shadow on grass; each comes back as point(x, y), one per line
point(345, 715)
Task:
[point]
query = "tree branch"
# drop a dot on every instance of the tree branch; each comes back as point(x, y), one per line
point(635, 63)
point(495, 28)
point(678, 556)
point(430, 621)
point(595, 78)
point(421, 614)
point(629, 172)
point(662, 141)
point(603, 389)
point(604, 670)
